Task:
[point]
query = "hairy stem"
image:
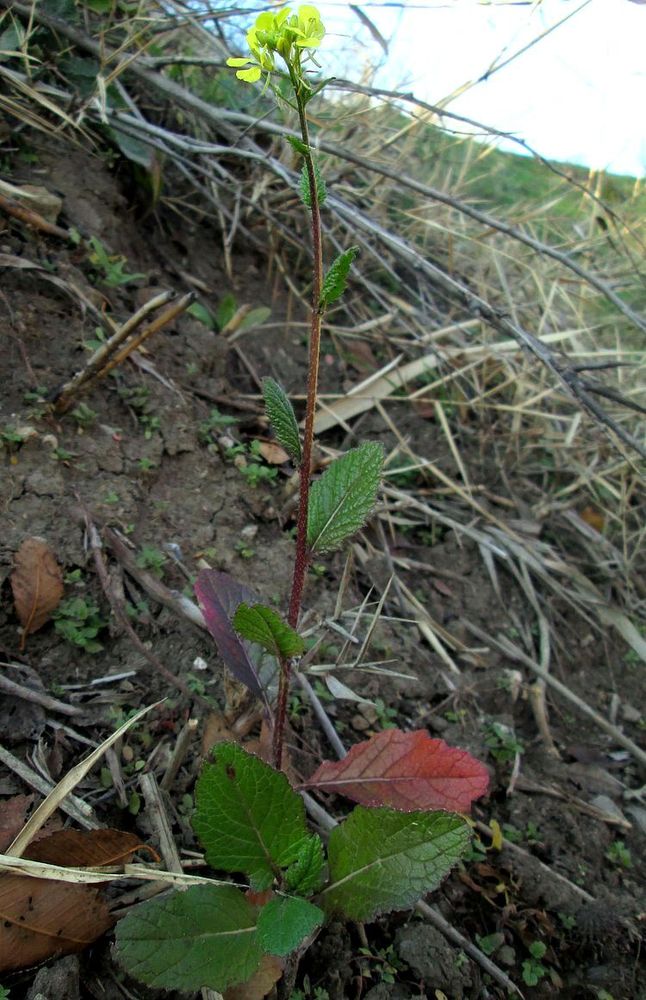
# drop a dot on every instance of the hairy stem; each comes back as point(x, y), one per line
point(301, 559)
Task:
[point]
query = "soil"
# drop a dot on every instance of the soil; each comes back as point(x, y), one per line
point(142, 464)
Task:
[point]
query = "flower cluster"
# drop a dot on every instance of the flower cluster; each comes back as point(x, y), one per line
point(284, 34)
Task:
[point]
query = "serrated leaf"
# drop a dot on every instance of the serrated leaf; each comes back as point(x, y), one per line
point(297, 144)
point(382, 860)
point(342, 499)
point(205, 936)
point(336, 279)
point(305, 875)
point(282, 418)
point(262, 625)
point(219, 595)
point(285, 922)
point(406, 771)
point(247, 816)
point(321, 190)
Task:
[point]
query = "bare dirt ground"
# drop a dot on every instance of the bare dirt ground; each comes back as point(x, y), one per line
point(567, 874)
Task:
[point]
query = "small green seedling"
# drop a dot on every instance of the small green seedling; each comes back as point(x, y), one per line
point(408, 829)
point(618, 854)
point(214, 423)
point(502, 742)
point(532, 969)
point(79, 621)
point(109, 267)
point(152, 559)
point(84, 416)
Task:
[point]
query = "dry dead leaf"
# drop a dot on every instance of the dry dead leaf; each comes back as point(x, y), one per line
point(273, 453)
point(260, 984)
point(594, 518)
point(12, 818)
point(37, 585)
point(40, 918)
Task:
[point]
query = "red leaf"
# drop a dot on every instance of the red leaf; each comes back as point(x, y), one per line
point(219, 596)
point(407, 771)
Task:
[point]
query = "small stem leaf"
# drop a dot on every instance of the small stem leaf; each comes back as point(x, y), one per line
point(342, 499)
point(262, 625)
point(282, 418)
point(305, 876)
point(247, 816)
point(205, 936)
point(407, 771)
point(285, 922)
point(297, 144)
point(321, 189)
point(382, 860)
point(336, 279)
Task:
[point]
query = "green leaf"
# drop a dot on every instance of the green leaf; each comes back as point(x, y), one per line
point(321, 190)
point(203, 937)
point(254, 318)
point(133, 149)
point(342, 499)
point(201, 313)
point(262, 625)
point(226, 310)
point(297, 144)
point(247, 816)
point(382, 860)
point(285, 922)
point(305, 876)
point(282, 418)
point(336, 278)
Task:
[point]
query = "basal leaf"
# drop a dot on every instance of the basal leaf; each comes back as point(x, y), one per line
point(305, 875)
point(321, 190)
point(219, 595)
point(406, 771)
point(282, 418)
point(262, 625)
point(381, 860)
point(203, 937)
point(247, 816)
point(336, 278)
point(342, 499)
point(285, 922)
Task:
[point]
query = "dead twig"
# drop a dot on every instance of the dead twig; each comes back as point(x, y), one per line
point(119, 611)
point(119, 346)
point(32, 219)
point(37, 697)
point(514, 653)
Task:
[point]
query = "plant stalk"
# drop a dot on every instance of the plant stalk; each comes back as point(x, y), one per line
point(301, 559)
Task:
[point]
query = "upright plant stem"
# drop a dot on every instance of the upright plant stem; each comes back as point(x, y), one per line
point(302, 557)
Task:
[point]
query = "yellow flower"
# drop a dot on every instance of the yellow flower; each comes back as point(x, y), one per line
point(280, 33)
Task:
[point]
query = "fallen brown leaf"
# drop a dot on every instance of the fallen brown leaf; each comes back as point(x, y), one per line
point(40, 918)
point(37, 585)
point(269, 972)
point(273, 453)
point(12, 818)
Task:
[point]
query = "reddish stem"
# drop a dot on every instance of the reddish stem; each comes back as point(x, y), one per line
point(302, 557)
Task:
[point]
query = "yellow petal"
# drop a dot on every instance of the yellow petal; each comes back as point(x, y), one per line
point(249, 75)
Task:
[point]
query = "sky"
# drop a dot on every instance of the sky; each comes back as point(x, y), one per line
point(578, 95)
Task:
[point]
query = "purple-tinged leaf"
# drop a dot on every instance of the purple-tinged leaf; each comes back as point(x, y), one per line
point(219, 595)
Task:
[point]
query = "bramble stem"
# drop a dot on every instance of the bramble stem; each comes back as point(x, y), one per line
point(301, 559)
